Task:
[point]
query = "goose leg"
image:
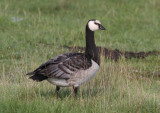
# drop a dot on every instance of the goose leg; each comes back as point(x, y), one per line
point(75, 91)
point(57, 90)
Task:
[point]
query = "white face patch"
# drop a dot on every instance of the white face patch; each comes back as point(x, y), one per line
point(92, 26)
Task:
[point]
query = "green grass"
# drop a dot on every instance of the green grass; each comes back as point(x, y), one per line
point(122, 87)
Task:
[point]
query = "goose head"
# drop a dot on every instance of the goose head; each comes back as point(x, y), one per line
point(94, 25)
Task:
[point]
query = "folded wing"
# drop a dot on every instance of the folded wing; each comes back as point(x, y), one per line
point(62, 67)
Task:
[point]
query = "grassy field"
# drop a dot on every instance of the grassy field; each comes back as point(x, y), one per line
point(34, 31)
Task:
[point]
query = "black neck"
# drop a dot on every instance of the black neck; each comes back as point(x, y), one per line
point(91, 49)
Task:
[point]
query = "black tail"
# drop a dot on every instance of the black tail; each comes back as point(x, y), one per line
point(38, 77)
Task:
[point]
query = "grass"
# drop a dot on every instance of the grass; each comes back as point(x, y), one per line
point(125, 86)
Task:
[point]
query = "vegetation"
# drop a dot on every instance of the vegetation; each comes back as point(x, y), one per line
point(34, 31)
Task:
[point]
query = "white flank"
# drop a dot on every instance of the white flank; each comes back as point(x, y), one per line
point(58, 82)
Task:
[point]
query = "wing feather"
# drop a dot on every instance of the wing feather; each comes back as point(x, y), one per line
point(63, 66)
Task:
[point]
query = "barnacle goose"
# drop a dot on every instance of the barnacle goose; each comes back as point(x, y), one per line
point(72, 69)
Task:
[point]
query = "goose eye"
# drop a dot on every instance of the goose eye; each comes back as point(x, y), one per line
point(95, 23)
